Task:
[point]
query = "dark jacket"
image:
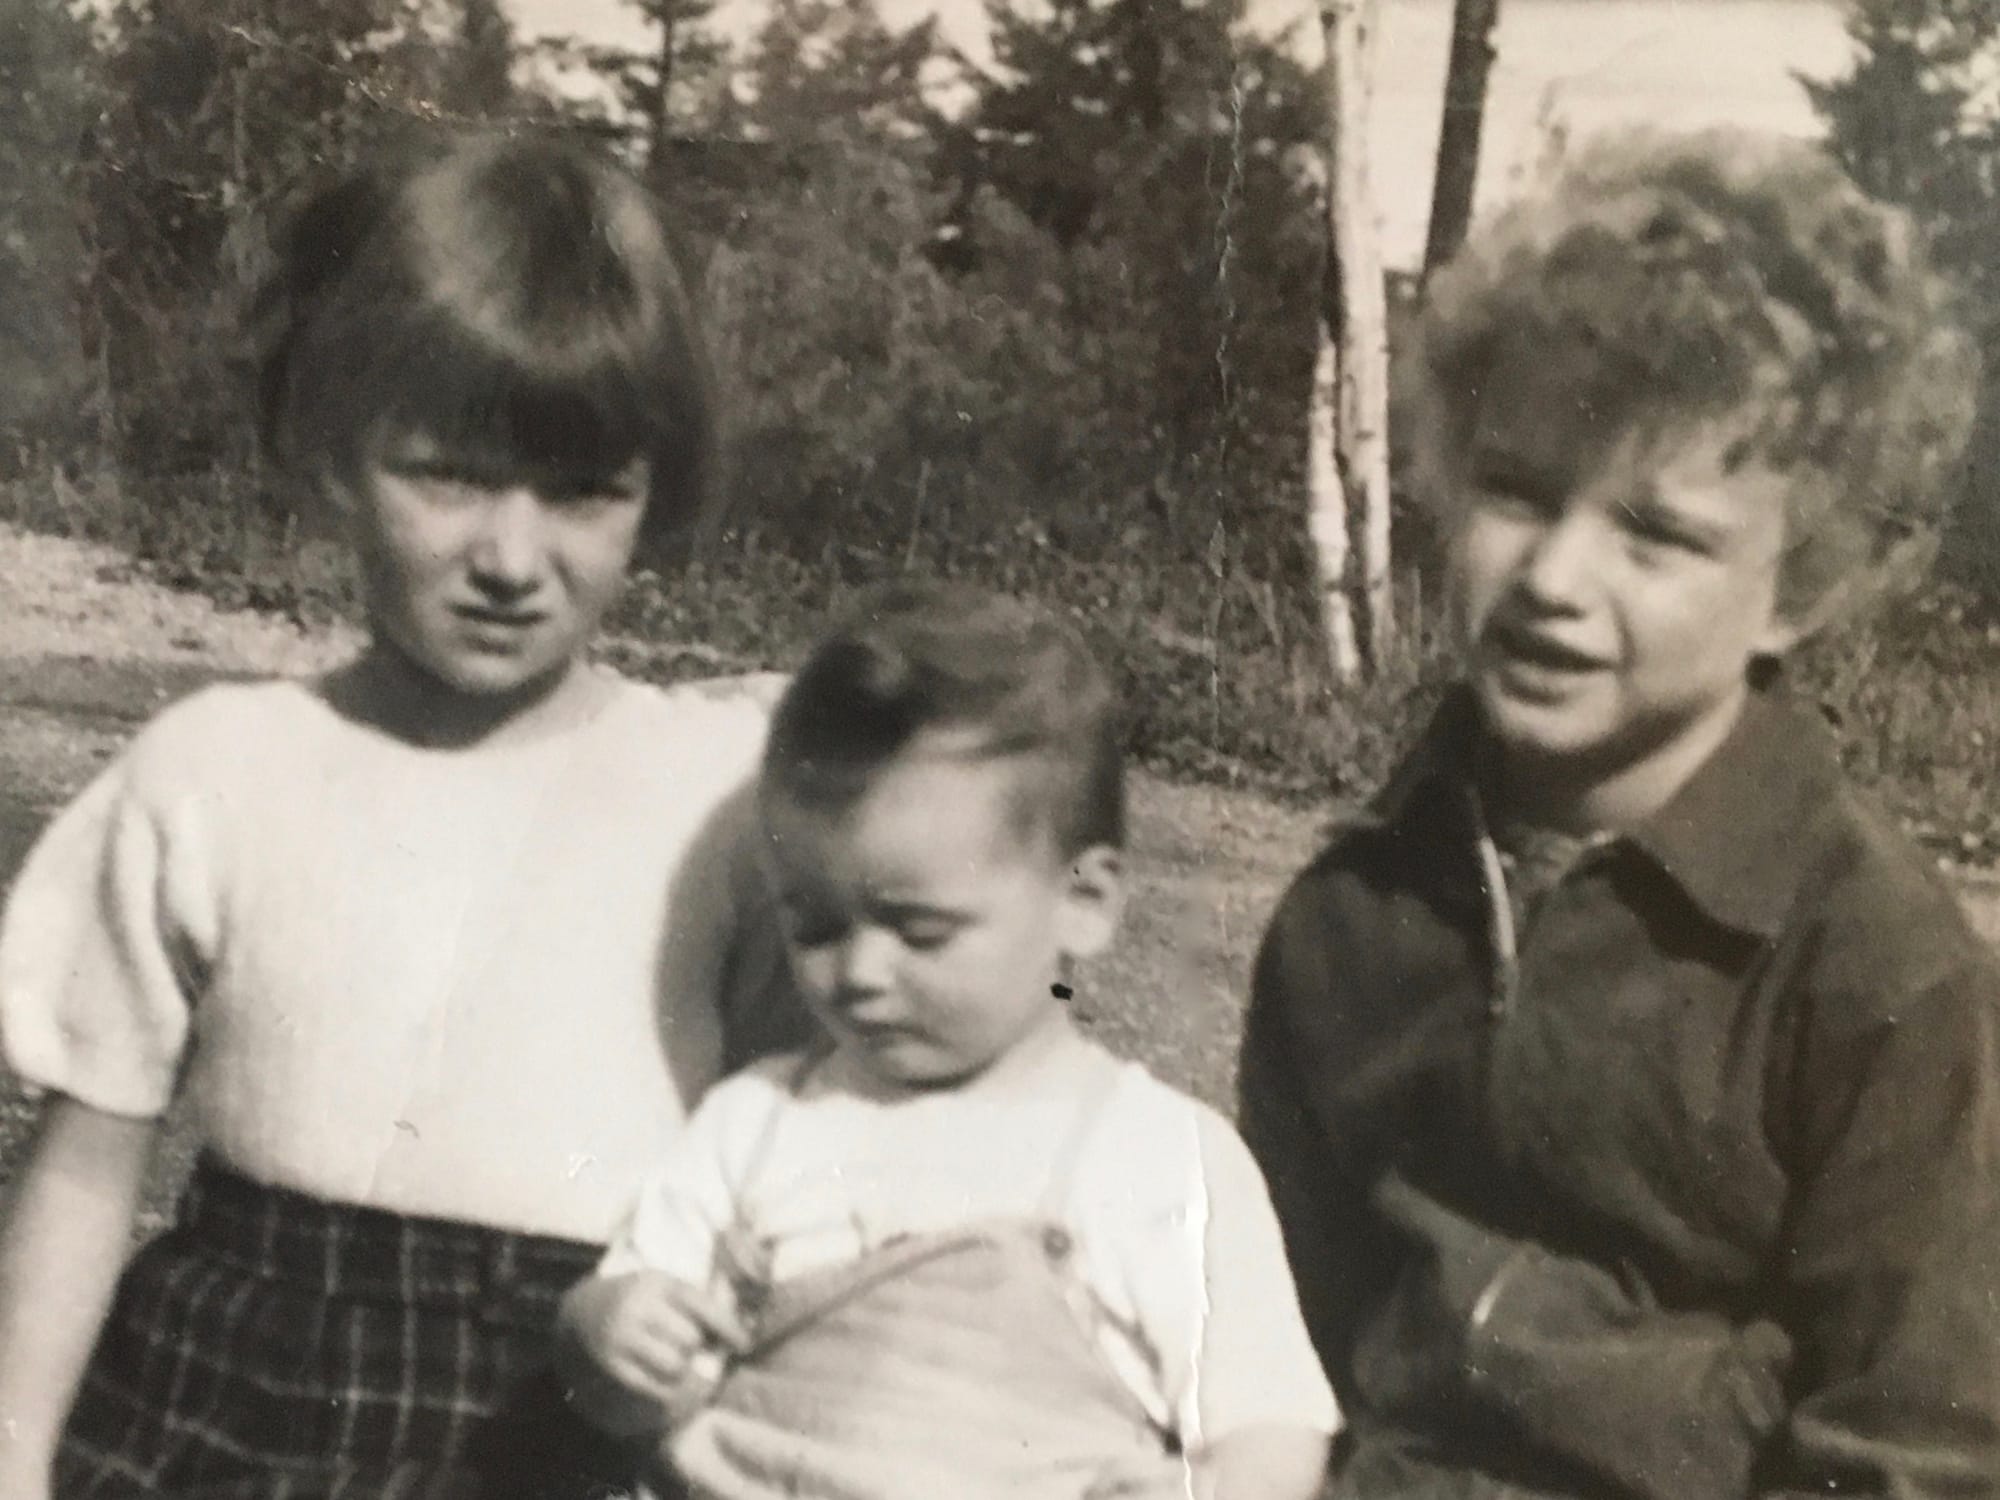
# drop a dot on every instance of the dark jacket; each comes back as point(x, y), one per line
point(1696, 1194)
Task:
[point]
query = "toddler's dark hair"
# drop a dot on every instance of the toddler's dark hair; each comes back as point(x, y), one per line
point(1722, 275)
point(961, 671)
point(516, 298)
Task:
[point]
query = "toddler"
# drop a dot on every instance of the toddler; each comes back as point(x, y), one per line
point(961, 1250)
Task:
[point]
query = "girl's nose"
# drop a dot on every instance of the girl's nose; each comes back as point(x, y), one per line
point(509, 548)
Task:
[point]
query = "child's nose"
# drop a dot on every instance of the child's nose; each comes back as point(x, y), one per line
point(508, 549)
point(867, 961)
point(1562, 559)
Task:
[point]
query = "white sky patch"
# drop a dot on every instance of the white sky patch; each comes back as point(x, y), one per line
point(1572, 66)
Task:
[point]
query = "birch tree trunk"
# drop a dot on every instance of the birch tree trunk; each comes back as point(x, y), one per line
point(1326, 514)
point(1354, 474)
point(1472, 23)
point(667, 14)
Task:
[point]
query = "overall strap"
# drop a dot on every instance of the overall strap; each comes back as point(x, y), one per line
point(741, 1261)
point(1105, 1076)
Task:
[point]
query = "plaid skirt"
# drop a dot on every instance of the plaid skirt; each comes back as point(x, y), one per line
point(275, 1346)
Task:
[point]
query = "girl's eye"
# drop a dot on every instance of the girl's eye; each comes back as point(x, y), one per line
point(443, 482)
point(589, 497)
point(626, 486)
point(436, 471)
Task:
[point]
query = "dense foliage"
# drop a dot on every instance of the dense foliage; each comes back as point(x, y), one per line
point(1045, 319)
point(1917, 121)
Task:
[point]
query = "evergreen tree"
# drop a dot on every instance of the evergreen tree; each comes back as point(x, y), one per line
point(44, 107)
point(1160, 137)
point(1917, 121)
point(216, 112)
point(484, 60)
point(835, 67)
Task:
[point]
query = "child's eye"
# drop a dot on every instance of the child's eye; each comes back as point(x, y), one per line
point(1659, 532)
point(927, 935)
point(1512, 495)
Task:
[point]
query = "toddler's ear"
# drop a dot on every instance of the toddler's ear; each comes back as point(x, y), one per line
point(1093, 900)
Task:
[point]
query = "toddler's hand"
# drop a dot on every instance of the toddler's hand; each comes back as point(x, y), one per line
point(643, 1338)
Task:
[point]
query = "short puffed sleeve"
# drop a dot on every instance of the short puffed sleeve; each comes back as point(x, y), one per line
point(109, 929)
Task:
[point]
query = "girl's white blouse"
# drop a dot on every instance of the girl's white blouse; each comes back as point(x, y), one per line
point(483, 984)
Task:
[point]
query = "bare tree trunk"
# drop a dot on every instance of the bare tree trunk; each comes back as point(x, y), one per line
point(1356, 330)
point(1472, 23)
point(1326, 515)
point(484, 65)
point(667, 13)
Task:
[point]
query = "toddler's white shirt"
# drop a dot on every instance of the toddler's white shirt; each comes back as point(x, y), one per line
point(1172, 1225)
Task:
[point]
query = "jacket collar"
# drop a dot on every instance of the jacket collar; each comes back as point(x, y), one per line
point(1734, 836)
point(1730, 838)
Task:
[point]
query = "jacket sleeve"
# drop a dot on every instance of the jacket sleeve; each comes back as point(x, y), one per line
point(1428, 1319)
point(1891, 1274)
point(1321, 1210)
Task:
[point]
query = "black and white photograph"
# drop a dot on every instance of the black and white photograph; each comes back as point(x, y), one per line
point(999, 749)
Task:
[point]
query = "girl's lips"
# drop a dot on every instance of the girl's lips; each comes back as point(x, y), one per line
point(499, 618)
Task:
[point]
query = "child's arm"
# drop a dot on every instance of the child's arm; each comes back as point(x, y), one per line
point(631, 1344)
point(1890, 1286)
point(1254, 1409)
point(629, 1337)
point(65, 1239)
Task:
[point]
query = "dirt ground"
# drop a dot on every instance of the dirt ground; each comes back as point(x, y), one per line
point(88, 651)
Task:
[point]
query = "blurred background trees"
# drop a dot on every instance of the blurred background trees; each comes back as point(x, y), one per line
point(1917, 121)
point(1046, 317)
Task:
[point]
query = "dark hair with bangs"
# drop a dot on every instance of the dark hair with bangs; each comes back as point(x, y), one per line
point(1722, 276)
point(953, 670)
point(515, 298)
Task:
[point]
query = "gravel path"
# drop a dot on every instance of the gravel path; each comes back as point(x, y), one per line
point(71, 598)
point(89, 649)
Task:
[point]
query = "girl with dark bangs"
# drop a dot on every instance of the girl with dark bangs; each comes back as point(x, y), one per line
point(433, 951)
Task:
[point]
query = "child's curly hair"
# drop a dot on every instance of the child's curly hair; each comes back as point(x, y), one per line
point(1723, 275)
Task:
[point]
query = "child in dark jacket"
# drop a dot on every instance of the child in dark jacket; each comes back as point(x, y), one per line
point(1629, 1088)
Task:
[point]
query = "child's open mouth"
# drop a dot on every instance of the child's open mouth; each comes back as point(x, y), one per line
point(1516, 646)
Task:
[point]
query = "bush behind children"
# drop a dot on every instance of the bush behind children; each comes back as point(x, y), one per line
point(430, 989)
point(1627, 1086)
